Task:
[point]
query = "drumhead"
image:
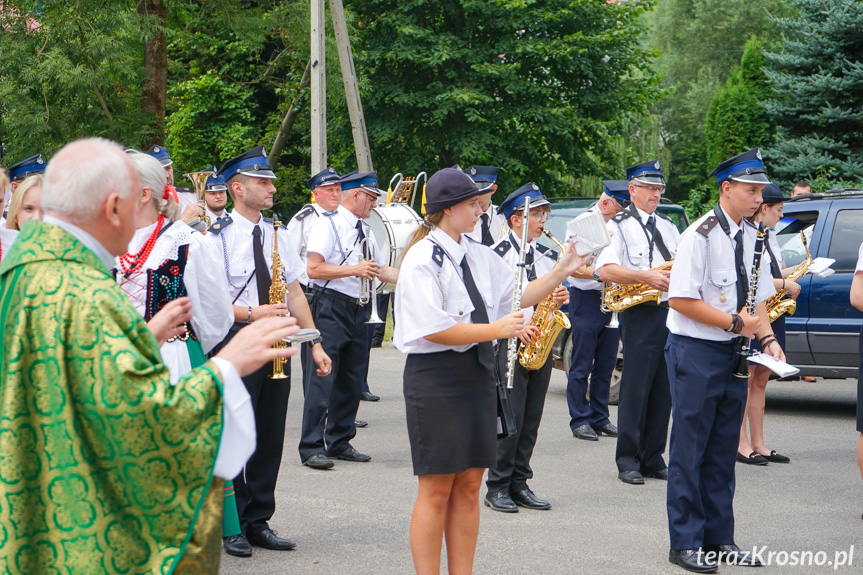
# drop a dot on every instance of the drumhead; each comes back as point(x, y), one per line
point(392, 226)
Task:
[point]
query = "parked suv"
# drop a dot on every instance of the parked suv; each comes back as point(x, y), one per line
point(822, 335)
point(563, 210)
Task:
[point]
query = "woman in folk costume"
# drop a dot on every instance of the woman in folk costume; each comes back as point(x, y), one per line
point(166, 260)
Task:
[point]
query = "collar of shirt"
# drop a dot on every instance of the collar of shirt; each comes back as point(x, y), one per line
point(455, 250)
point(103, 254)
point(348, 215)
point(244, 224)
point(732, 227)
point(491, 211)
point(642, 214)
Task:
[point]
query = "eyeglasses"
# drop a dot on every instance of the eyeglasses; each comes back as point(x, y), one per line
point(540, 216)
point(651, 189)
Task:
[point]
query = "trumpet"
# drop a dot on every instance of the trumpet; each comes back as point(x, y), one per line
point(368, 291)
point(199, 181)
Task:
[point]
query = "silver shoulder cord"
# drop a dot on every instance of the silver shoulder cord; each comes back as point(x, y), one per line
point(710, 269)
point(227, 266)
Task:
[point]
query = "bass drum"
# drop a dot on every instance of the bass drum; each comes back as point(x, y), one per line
point(393, 225)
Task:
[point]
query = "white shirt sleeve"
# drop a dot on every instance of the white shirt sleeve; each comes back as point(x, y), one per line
point(239, 438)
point(321, 240)
point(207, 287)
point(290, 256)
point(859, 267)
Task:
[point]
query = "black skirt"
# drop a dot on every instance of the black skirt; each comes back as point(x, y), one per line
point(860, 385)
point(451, 407)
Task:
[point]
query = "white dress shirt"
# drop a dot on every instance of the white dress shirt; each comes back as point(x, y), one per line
point(630, 247)
point(543, 261)
point(692, 278)
point(300, 230)
point(336, 238)
point(859, 267)
point(204, 282)
point(237, 249)
point(432, 297)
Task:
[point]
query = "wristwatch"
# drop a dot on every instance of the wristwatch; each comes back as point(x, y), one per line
point(318, 339)
point(596, 276)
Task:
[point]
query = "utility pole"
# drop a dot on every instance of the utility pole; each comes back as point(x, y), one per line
point(319, 87)
point(352, 89)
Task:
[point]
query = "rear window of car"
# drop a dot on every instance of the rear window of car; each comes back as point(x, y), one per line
point(788, 235)
point(846, 239)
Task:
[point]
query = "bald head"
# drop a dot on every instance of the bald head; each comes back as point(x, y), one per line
point(82, 175)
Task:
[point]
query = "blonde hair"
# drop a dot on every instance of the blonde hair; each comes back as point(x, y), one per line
point(17, 199)
point(152, 175)
point(430, 222)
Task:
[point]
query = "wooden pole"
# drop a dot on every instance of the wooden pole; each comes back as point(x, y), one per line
point(319, 87)
point(352, 89)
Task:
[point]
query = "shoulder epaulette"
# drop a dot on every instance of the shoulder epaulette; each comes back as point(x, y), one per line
point(437, 255)
point(220, 225)
point(503, 247)
point(548, 251)
point(620, 216)
point(707, 225)
point(664, 216)
point(304, 212)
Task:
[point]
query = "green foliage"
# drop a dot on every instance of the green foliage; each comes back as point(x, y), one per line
point(817, 78)
point(540, 88)
point(70, 70)
point(700, 42)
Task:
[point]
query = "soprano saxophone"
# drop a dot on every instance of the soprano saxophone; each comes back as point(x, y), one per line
point(278, 289)
point(781, 302)
point(550, 321)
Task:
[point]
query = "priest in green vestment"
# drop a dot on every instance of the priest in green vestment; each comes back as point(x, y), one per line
point(105, 467)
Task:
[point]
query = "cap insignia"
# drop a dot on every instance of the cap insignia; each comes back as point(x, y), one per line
point(472, 171)
point(156, 149)
point(656, 165)
point(758, 153)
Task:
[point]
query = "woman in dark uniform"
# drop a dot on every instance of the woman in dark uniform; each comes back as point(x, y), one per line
point(453, 299)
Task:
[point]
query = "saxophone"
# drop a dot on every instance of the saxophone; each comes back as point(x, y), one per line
point(781, 302)
point(550, 321)
point(278, 289)
point(618, 297)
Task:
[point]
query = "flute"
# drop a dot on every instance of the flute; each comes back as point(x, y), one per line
point(517, 290)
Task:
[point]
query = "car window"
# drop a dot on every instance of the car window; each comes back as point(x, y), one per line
point(677, 216)
point(788, 235)
point(846, 240)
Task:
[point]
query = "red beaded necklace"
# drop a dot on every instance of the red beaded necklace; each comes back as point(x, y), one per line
point(130, 263)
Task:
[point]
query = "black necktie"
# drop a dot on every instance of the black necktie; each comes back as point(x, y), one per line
point(742, 280)
point(262, 274)
point(486, 238)
point(485, 351)
point(528, 265)
point(656, 238)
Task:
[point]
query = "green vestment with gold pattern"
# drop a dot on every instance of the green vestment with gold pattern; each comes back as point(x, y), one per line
point(105, 467)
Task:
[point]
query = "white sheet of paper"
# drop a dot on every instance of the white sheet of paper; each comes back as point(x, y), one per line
point(780, 368)
point(589, 232)
point(820, 265)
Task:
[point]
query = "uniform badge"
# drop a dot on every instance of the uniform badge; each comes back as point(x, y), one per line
point(156, 149)
point(534, 186)
point(656, 165)
point(39, 160)
point(758, 153)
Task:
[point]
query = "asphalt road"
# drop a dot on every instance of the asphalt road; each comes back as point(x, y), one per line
point(355, 518)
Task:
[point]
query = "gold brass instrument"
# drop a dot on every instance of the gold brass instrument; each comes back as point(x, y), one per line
point(199, 182)
point(368, 292)
point(278, 289)
point(618, 297)
point(781, 302)
point(550, 321)
point(613, 322)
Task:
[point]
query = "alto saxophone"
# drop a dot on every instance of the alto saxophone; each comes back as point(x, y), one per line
point(278, 289)
point(618, 297)
point(781, 302)
point(550, 321)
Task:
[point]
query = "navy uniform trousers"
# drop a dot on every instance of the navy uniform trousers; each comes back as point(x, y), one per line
point(645, 402)
point(331, 402)
point(708, 403)
point(256, 485)
point(527, 397)
point(594, 353)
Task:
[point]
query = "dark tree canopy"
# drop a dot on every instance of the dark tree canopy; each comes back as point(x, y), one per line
point(539, 88)
point(817, 79)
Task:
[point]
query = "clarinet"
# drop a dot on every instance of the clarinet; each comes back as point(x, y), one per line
point(518, 289)
point(742, 369)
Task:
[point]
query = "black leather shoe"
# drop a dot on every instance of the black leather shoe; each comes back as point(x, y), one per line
point(585, 432)
point(631, 476)
point(500, 501)
point(731, 555)
point(754, 458)
point(656, 474)
point(608, 429)
point(351, 454)
point(361, 423)
point(237, 545)
point(691, 560)
point(318, 461)
point(269, 539)
point(369, 396)
point(526, 498)
point(777, 457)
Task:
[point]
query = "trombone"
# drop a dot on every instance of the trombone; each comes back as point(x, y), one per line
point(368, 292)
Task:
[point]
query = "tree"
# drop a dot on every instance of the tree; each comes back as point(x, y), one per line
point(817, 78)
point(539, 88)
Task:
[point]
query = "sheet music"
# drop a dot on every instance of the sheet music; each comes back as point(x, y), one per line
point(821, 267)
point(589, 232)
point(780, 368)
